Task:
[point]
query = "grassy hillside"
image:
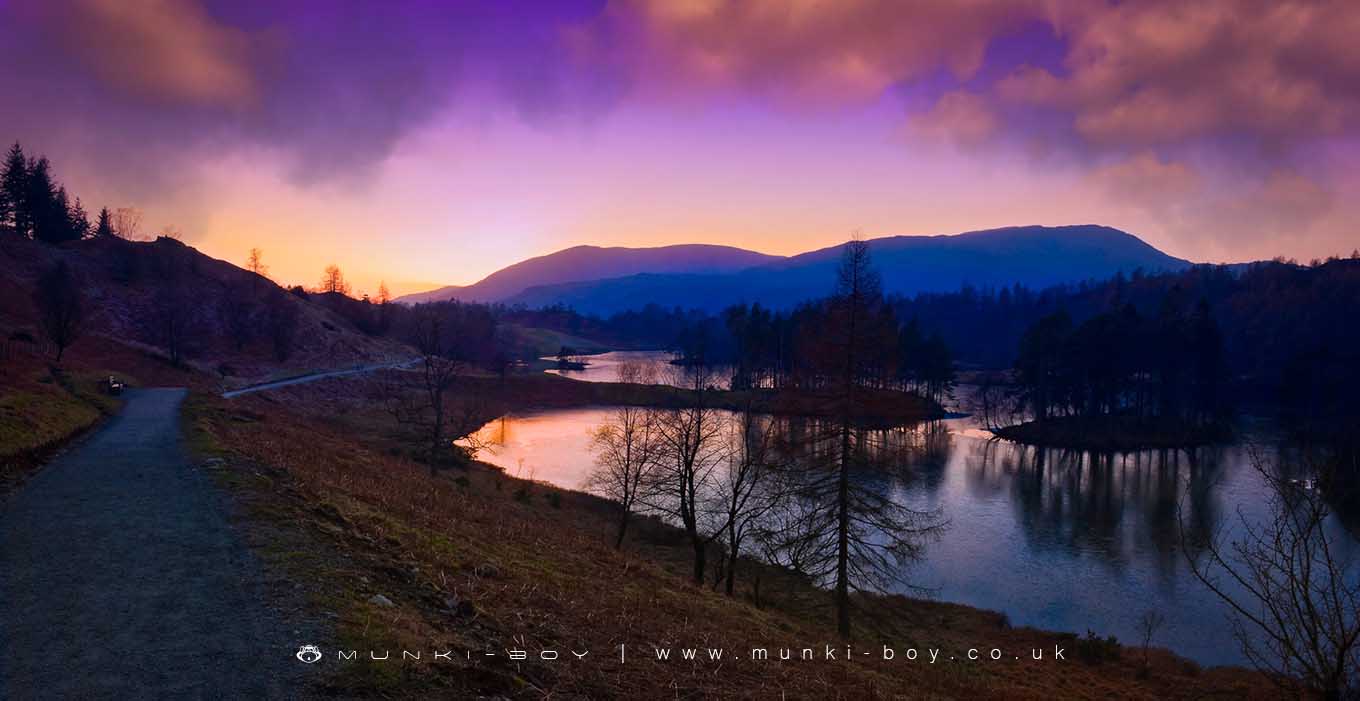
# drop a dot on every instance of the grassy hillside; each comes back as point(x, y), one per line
point(126, 286)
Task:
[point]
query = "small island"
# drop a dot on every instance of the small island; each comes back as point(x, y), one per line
point(1119, 381)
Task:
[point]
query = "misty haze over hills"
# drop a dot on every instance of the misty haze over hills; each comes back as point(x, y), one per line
point(607, 280)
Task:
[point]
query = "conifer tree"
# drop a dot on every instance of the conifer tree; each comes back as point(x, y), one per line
point(14, 184)
point(104, 228)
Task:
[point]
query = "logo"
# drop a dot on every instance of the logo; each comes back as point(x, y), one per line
point(309, 653)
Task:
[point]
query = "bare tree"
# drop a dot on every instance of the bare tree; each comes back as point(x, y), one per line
point(61, 307)
point(281, 322)
point(839, 528)
point(238, 312)
point(1148, 625)
point(627, 448)
point(333, 280)
point(127, 222)
point(747, 485)
point(1294, 595)
point(173, 321)
point(255, 264)
point(432, 402)
point(993, 403)
point(693, 445)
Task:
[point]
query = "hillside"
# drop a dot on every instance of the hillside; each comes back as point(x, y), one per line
point(1034, 256)
point(581, 263)
point(164, 299)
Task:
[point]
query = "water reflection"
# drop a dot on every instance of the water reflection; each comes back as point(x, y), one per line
point(604, 367)
point(1064, 540)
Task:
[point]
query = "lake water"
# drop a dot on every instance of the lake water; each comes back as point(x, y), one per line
point(604, 367)
point(1060, 540)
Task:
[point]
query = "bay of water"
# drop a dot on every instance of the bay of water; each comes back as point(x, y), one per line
point(1059, 540)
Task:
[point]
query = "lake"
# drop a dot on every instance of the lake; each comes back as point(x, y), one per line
point(604, 367)
point(1059, 540)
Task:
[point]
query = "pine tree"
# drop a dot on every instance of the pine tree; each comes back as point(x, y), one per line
point(77, 222)
point(104, 229)
point(14, 183)
point(46, 212)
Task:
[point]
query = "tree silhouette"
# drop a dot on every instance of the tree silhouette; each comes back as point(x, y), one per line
point(255, 263)
point(333, 280)
point(14, 183)
point(61, 309)
point(103, 229)
point(127, 222)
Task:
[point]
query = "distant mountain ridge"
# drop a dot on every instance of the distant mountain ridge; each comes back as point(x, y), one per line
point(584, 263)
point(1034, 256)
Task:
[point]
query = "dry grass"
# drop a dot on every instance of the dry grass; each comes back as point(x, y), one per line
point(351, 519)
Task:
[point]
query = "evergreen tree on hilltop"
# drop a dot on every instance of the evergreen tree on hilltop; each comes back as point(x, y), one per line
point(77, 222)
point(40, 202)
point(104, 227)
point(14, 184)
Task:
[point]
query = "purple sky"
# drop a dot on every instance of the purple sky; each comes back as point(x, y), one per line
point(435, 142)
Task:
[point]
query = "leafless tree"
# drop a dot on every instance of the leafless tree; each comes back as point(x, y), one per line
point(61, 307)
point(173, 321)
point(839, 528)
point(627, 448)
point(127, 223)
point(993, 403)
point(748, 484)
point(693, 446)
point(281, 323)
point(429, 398)
point(1293, 591)
point(1148, 625)
point(238, 310)
point(255, 264)
point(333, 280)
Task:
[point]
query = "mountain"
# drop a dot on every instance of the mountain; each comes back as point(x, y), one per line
point(585, 263)
point(1034, 256)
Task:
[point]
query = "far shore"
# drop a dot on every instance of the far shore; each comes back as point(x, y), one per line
point(878, 408)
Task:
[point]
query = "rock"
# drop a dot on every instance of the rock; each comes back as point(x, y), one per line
point(380, 600)
point(459, 607)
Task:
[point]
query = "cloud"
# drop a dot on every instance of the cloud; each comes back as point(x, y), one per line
point(961, 117)
point(1148, 181)
point(167, 49)
point(156, 86)
point(800, 53)
point(1167, 73)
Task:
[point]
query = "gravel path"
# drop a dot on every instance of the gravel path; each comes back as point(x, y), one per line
point(304, 379)
point(120, 577)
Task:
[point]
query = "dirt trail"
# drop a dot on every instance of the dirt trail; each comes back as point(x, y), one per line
point(304, 379)
point(120, 577)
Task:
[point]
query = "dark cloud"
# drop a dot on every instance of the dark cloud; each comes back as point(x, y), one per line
point(146, 87)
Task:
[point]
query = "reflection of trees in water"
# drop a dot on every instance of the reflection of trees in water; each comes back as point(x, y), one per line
point(909, 452)
point(1078, 501)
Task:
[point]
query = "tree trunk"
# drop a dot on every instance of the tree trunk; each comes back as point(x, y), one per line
point(700, 560)
point(623, 529)
point(843, 538)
